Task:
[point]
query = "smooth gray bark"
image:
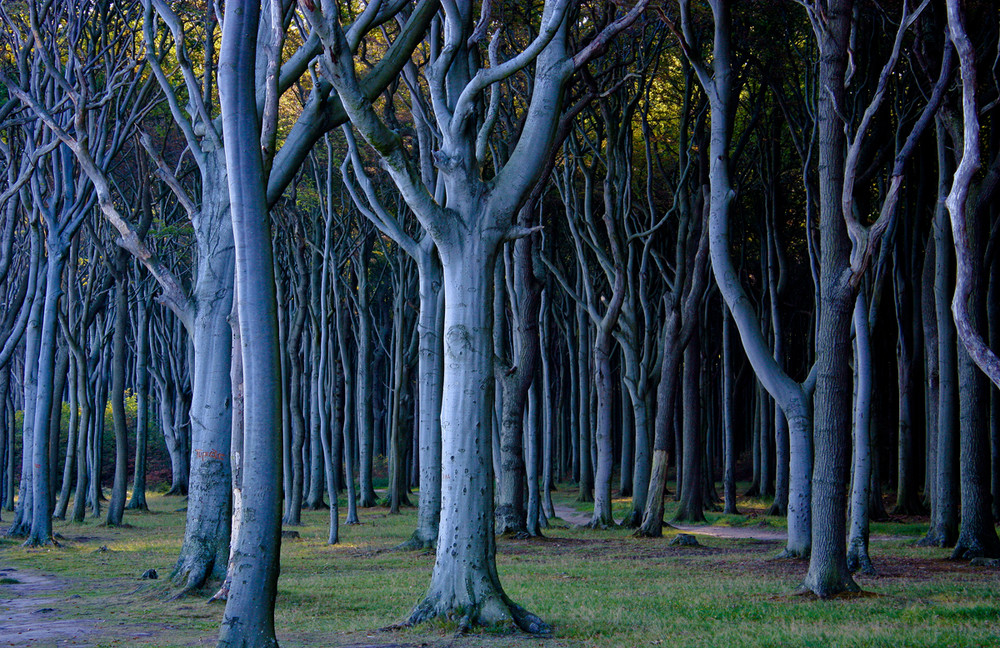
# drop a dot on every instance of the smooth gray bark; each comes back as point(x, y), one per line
point(249, 616)
point(857, 542)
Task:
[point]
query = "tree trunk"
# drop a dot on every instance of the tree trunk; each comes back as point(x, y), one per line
point(944, 507)
point(728, 434)
point(465, 577)
point(249, 616)
point(857, 542)
point(116, 508)
point(138, 500)
point(365, 418)
point(205, 549)
point(828, 574)
point(41, 513)
point(429, 369)
point(692, 506)
point(583, 374)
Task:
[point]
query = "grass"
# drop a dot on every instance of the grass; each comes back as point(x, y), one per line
point(599, 589)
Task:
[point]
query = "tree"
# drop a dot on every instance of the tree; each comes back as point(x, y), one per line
point(467, 230)
point(249, 617)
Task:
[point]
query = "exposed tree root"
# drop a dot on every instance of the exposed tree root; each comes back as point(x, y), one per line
point(777, 508)
point(633, 519)
point(936, 537)
point(496, 611)
point(842, 587)
point(968, 549)
point(859, 562)
point(32, 543)
point(643, 532)
point(792, 554)
point(416, 542)
point(222, 595)
point(600, 524)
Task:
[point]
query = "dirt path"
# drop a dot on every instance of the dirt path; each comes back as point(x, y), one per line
point(31, 612)
point(736, 533)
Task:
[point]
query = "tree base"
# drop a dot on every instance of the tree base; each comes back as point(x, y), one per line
point(690, 515)
point(792, 554)
point(600, 523)
point(495, 611)
point(633, 519)
point(830, 589)
point(777, 508)
point(416, 542)
point(937, 536)
point(909, 506)
point(34, 543)
point(859, 562)
point(969, 548)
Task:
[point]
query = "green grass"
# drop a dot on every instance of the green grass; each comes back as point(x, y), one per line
point(599, 589)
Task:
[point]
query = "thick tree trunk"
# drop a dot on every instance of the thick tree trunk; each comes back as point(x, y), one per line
point(465, 578)
point(205, 550)
point(249, 616)
point(977, 536)
point(41, 512)
point(603, 517)
point(828, 574)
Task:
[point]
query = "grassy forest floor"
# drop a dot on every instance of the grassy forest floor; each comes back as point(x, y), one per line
point(597, 588)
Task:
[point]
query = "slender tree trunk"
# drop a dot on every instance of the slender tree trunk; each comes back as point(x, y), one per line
point(430, 324)
point(928, 307)
point(69, 461)
point(857, 542)
point(944, 507)
point(586, 493)
point(82, 474)
point(548, 410)
point(349, 393)
point(116, 508)
point(692, 506)
point(365, 416)
point(138, 500)
point(728, 434)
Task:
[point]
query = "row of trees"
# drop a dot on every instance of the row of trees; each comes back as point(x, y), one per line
point(503, 246)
